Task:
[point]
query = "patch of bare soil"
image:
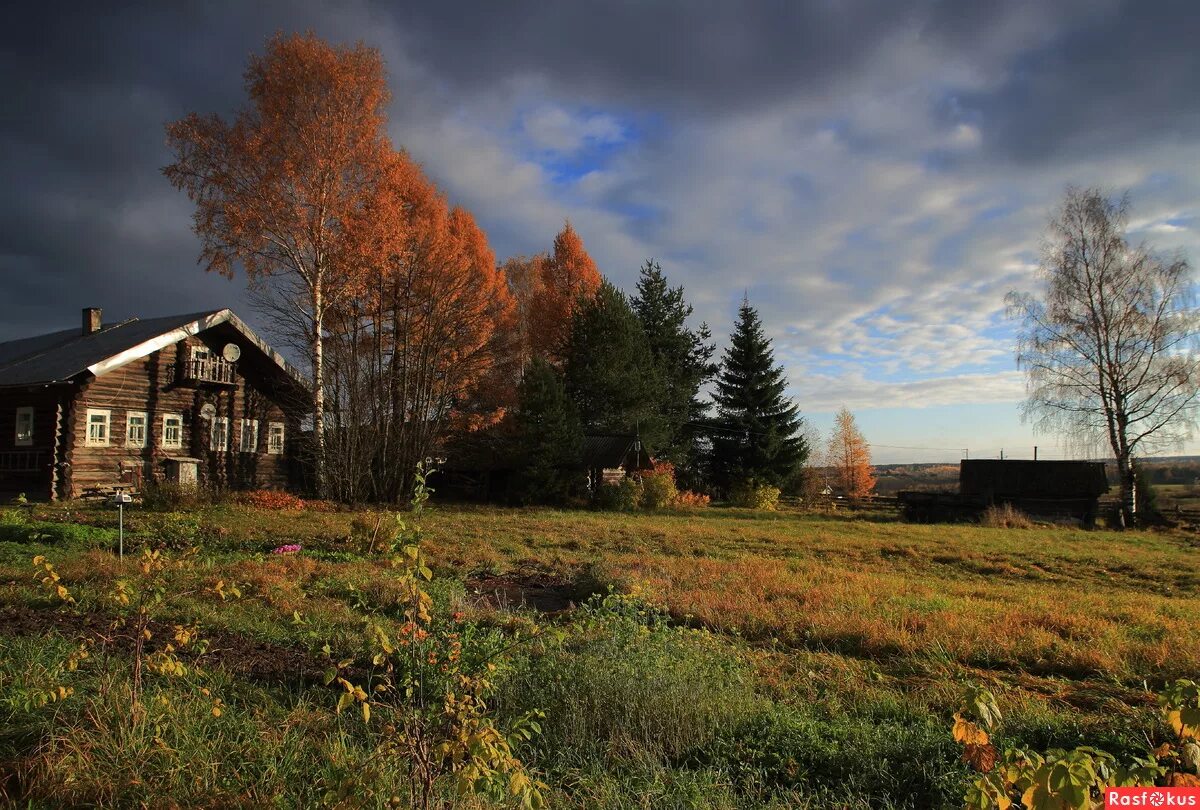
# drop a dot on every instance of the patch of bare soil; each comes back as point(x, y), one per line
point(236, 653)
point(539, 590)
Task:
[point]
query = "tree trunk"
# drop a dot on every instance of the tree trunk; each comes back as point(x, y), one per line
point(1128, 493)
point(318, 364)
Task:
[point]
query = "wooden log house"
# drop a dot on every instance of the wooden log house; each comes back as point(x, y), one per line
point(187, 398)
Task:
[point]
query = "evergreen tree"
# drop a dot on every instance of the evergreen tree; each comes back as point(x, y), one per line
point(610, 371)
point(683, 359)
point(758, 434)
point(549, 439)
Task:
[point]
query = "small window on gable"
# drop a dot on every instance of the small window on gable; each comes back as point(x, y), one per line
point(219, 435)
point(24, 434)
point(249, 439)
point(135, 429)
point(275, 439)
point(97, 427)
point(172, 431)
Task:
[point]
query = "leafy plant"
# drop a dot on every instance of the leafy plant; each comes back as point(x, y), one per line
point(755, 495)
point(658, 486)
point(1068, 780)
point(623, 496)
point(427, 699)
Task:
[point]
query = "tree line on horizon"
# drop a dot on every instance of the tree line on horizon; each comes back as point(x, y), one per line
point(420, 341)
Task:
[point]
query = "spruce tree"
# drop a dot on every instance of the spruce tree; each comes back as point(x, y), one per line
point(610, 372)
point(683, 359)
point(549, 439)
point(757, 436)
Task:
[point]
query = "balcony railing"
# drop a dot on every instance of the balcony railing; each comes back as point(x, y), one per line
point(212, 369)
point(23, 461)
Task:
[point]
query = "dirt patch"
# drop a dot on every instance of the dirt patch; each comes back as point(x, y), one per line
point(236, 653)
point(539, 590)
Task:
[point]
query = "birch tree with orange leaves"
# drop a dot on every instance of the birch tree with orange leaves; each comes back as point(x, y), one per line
point(850, 458)
point(275, 187)
point(567, 276)
point(427, 347)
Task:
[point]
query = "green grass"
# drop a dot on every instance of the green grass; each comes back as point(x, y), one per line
point(769, 659)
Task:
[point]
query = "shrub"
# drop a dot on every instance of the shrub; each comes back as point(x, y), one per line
point(754, 495)
point(167, 496)
point(273, 500)
point(691, 500)
point(658, 486)
point(624, 496)
point(1005, 516)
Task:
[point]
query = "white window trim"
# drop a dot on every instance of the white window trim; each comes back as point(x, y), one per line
point(88, 440)
point(223, 421)
point(253, 424)
point(272, 450)
point(26, 410)
point(129, 417)
point(175, 445)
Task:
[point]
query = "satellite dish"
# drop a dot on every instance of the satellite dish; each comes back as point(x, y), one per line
point(208, 410)
point(231, 352)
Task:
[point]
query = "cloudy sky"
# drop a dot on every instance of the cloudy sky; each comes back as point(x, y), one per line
point(874, 175)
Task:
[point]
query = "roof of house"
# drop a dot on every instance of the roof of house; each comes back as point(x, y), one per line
point(64, 356)
point(1021, 478)
point(612, 451)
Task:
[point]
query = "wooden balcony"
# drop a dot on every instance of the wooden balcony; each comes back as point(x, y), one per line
point(23, 461)
point(210, 370)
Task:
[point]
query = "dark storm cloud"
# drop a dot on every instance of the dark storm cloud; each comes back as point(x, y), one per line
point(1115, 80)
point(87, 219)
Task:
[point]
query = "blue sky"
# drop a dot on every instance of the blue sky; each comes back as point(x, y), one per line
point(874, 176)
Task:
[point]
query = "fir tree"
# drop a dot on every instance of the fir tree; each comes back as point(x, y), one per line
point(758, 434)
point(549, 439)
point(610, 371)
point(683, 359)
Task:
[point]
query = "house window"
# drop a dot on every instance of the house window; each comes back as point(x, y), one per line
point(249, 437)
point(275, 439)
point(24, 436)
point(97, 427)
point(219, 438)
point(172, 435)
point(135, 429)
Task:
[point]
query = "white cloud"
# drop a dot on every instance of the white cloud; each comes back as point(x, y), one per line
point(554, 129)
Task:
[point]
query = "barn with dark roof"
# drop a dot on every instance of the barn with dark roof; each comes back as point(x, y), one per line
point(195, 397)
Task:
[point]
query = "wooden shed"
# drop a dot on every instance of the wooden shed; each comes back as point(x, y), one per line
point(609, 458)
point(88, 409)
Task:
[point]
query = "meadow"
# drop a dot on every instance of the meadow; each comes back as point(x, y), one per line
point(708, 658)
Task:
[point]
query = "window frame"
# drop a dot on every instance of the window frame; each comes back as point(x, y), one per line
point(129, 417)
point(272, 450)
point(88, 440)
point(252, 423)
point(223, 421)
point(23, 411)
point(166, 443)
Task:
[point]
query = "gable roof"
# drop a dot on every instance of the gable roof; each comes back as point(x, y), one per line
point(612, 451)
point(65, 356)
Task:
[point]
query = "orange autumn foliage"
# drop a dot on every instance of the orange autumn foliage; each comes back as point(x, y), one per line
point(566, 276)
point(275, 188)
point(850, 458)
point(428, 344)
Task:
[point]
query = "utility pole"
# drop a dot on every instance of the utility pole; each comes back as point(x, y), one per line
point(1002, 454)
point(1035, 452)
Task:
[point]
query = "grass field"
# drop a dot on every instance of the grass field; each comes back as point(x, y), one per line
point(765, 659)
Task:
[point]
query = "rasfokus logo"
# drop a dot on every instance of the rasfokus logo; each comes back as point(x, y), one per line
point(1152, 797)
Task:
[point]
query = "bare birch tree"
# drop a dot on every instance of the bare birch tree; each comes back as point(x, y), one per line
point(1109, 347)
